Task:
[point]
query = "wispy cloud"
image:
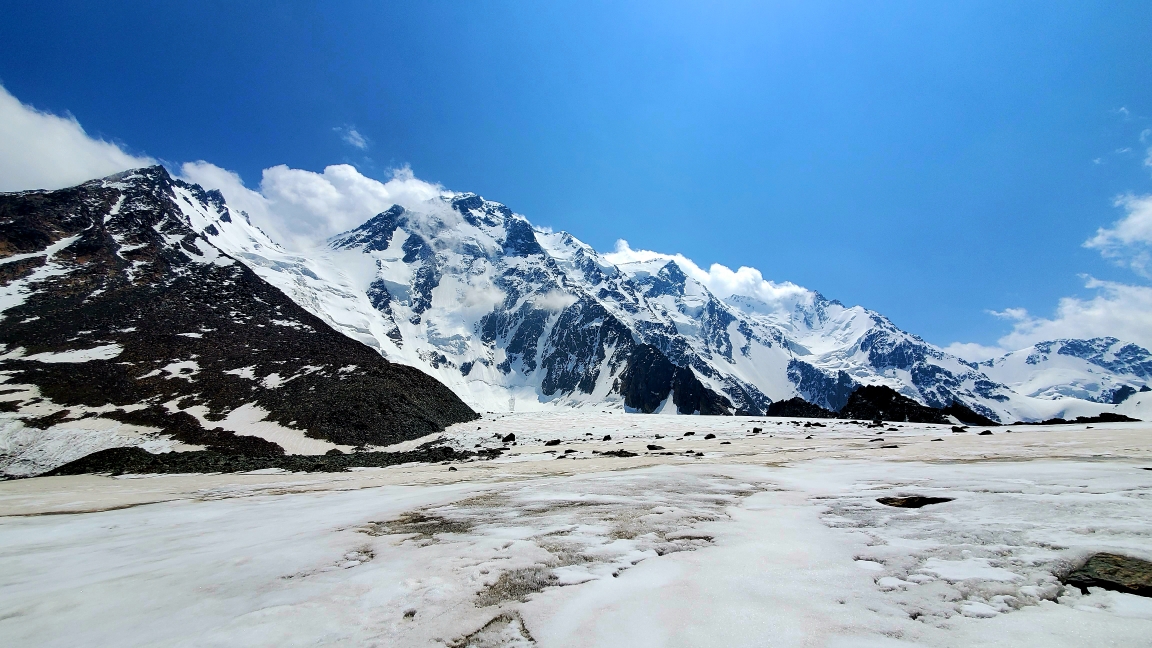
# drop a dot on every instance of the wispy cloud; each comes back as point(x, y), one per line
point(1117, 310)
point(1129, 240)
point(39, 150)
point(352, 137)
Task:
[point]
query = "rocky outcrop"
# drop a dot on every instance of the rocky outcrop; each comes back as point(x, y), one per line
point(877, 402)
point(797, 407)
point(650, 379)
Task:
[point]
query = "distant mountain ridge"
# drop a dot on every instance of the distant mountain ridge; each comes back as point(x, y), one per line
point(513, 317)
point(1101, 370)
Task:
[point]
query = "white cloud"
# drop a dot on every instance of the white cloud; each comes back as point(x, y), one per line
point(353, 137)
point(974, 352)
point(721, 280)
point(1015, 314)
point(555, 300)
point(1128, 240)
point(39, 150)
point(1118, 310)
point(300, 208)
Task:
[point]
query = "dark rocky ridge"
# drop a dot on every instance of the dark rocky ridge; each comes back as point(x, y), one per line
point(650, 378)
point(797, 407)
point(138, 276)
point(872, 402)
point(136, 461)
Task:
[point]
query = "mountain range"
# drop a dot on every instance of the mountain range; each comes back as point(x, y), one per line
point(145, 304)
point(513, 317)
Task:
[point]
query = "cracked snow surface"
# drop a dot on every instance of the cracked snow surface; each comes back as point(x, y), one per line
point(763, 546)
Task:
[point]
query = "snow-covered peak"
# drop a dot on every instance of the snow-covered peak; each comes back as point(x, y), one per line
point(1098, 369)
point(512, 317)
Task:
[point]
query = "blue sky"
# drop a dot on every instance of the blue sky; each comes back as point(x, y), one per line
point(932, 161)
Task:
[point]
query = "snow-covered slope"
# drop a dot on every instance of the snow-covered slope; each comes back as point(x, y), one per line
point(1103, 370)
point(514, 318)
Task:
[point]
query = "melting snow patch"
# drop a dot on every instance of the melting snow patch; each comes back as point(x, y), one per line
point(250, 420)
point(243, 372)
point(184, 369)
point(106, 352)
point(972, 568)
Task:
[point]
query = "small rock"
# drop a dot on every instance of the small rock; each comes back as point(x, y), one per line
point(452, 469)
point(725, 443)
point(912, 501)
point(553, 442)
point(986, 433)
point(655, 447)
point(937, 439)
point(756, 430)
point(808, 437)
point(959, 428)
point(607, 437)
point(408, 614)
point(569, 451)
point(689, 434)
point(508, 439)
point(709, 436)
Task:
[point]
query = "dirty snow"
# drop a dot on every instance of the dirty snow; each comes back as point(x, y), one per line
point(772, 539)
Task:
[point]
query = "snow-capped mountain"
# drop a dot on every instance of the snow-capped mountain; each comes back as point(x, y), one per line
point(1102, 370)
point(121, 323)
point(512, 317)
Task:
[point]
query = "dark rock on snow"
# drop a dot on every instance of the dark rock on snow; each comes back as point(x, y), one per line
point(798, 407)
point(912, 501)
point(139, 461)
point(1113, 572)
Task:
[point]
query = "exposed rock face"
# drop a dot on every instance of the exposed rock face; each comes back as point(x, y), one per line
point(115, 299)
point(884, 403)
point(799, 408)
point(650, 379)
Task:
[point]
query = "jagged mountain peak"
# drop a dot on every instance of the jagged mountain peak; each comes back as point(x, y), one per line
point(512, 316)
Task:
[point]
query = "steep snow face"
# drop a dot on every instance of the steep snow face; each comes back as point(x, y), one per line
point(1103, 370)
point(513, 318)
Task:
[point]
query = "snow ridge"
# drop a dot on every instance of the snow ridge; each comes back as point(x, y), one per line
point(515, 318)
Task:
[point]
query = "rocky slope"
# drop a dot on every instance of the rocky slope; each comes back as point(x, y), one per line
point(121, 319)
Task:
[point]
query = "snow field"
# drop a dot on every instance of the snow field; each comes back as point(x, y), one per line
point(756, 547)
